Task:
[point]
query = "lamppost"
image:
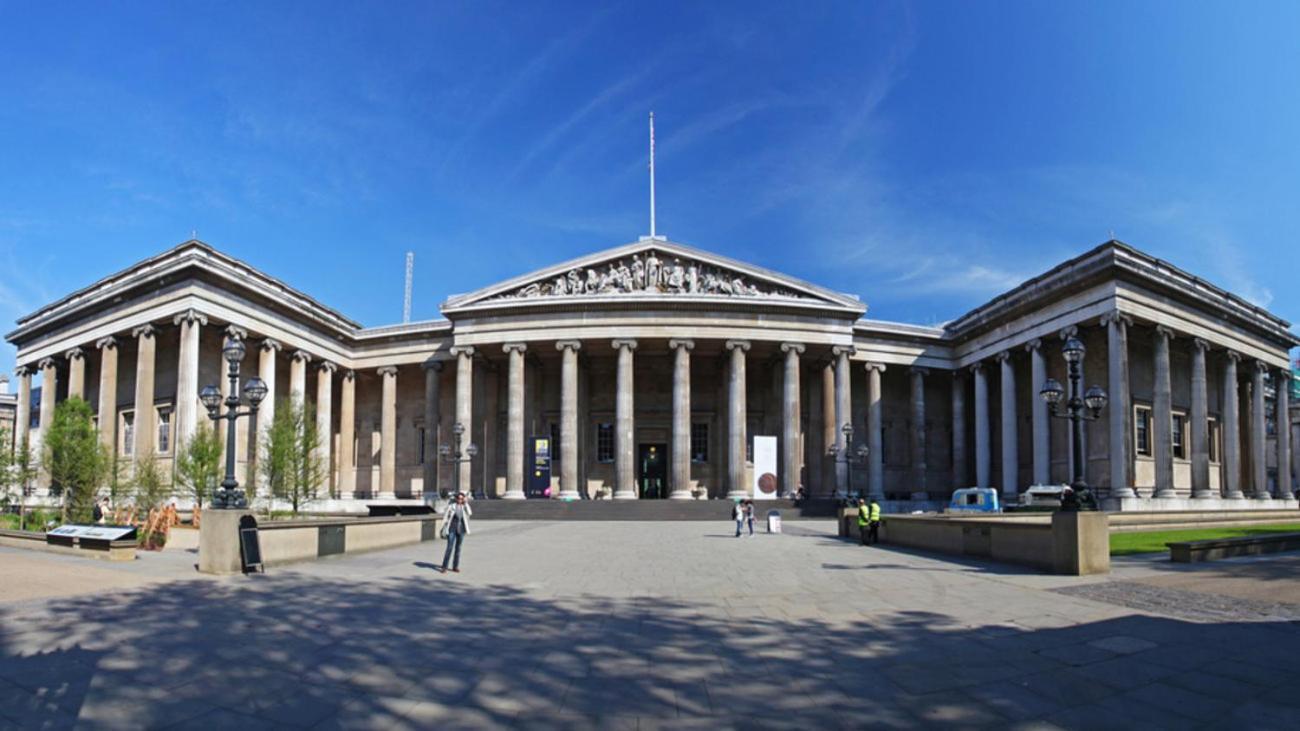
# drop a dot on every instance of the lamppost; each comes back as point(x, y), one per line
point(452, 454)
point(1080, 406)
point(230, 496)
point(847, 454)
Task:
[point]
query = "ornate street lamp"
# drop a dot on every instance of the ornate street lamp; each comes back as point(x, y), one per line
point(1080, 406)
point(452, 454)
point(229, 495)
point(847, 454)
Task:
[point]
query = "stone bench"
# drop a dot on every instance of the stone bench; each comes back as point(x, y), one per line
point(1217, 548)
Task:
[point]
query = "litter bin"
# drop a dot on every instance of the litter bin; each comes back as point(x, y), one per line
point(774, 521)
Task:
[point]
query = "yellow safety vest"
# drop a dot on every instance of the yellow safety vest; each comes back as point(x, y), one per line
point(864, 515)
point(875, 512)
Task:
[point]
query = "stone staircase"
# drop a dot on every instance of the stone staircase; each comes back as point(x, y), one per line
point(607, 510)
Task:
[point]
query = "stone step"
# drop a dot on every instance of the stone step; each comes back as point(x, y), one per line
point(704, 510)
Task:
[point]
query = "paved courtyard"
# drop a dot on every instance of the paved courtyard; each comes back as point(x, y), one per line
point(647, 625)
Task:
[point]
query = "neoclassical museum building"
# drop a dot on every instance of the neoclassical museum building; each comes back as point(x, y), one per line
point(652, 370)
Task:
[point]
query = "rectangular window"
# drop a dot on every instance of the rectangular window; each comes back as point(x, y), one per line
point(1180, 435)
point(555, 443)
point(700, 442)
point(1142, 430)
point(1215, 439)
point(128, 433)
point(604, 442)
point(164, 431)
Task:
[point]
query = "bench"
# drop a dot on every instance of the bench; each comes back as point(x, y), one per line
point(1216, 548)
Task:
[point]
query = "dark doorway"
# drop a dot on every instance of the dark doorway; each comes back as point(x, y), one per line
point(652, 470)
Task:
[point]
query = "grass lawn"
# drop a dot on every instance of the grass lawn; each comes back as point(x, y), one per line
point(1124, 544)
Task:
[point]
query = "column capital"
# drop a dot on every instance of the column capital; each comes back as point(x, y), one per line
point(1260, 366)
point(838, 350)
point(146, 330)
point(462, 350)
point(271, 344)
point(432, 364)
point(1033, 345)
point(675, 343)
point(741, 345)
point(235, 332)
point(918, 371)
point(1115, 317)
point(1162, 331)
point(574, 345)
point(1003, 357)
point(514, 348)
point(301, 355)
point(1232, 355)
point(46, 363)
point(107, 341)
point(74, 353)
point(190, 316)
point(326, 365)
point(1201, 344)
point(976, 367)
point(22, 371)
point(623, 343)
point(349, 375)
point(796, 348)
point(874, 366)
point(387, 371)
point(1069, 331)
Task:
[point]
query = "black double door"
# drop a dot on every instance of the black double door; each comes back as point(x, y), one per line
point(652, 470)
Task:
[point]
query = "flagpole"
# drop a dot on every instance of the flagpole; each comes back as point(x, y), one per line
point(652, 175)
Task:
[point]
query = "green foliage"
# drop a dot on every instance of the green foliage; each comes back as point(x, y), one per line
point(74, 458)
point(1125, 544)
point(290, 460)
point(34, 520)
point(198, 464)
point(151, 487)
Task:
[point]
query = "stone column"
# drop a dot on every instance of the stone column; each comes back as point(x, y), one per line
point(1258, 433)
point(918, 435)
point(76, 372)
point(1282, 384)
point(1162, 416)
point(569, 418)
point(515, 421)
point(388, 433)
point(432, 420)
point(1231, 429)
point(843, 415)
point(465, 411)
point(1010, 433)
point(790, 419)
point(736, 412)
point(959, 478)
point(829, 430)
point(108, 393)
point(347, 435)
point(188, 408)
point(624, 424)
point(681, 489)
point(1200, 418)
point(983, 446)
point(1041, 418)
point(1119, 412)
point(298, 377)
point(325, 422)
point(146, 435)
point(266, 412)
point(23, 411)
point(875, 457)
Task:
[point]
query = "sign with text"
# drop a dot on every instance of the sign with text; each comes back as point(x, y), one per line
point(94, 532)
point(538, 479)
point(765, 485)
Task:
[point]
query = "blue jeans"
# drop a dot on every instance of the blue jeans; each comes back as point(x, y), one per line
point(740, 525)
point(454, 541)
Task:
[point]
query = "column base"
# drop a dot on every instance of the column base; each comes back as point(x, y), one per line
point(737, 495)
point(625, 495)
point(681, 495)
point(1165, 493)
point(514, 495)
point(568, 495)
point(1123, 492)
point(1236, 495)
point(1263, 496)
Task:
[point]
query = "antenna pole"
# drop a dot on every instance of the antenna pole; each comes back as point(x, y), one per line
point(652, 175)
point(406, 299)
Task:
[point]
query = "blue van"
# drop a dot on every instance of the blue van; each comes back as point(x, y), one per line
point(974, 500)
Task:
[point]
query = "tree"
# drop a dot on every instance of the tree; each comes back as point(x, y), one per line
point(77, 462)
point(24, 471)
point(290, 459)
point(6, 467)
point(198, 465)
point(151, 487)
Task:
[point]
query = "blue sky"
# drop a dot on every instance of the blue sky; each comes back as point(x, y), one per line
point(923, 156)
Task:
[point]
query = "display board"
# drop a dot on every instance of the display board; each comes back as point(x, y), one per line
point(94, 532)
point(538, 480)
point(766, 484)
point(250, 545)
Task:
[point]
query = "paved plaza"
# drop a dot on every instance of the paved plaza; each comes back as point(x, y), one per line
point(647, 625)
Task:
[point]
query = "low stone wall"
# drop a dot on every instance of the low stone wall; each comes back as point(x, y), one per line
point(288, 541)
point(103, 550)
point(1215, 549)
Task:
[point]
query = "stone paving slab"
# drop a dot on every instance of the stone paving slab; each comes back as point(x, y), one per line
point(637, 625)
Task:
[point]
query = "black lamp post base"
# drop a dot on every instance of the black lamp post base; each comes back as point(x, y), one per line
point(229, 499)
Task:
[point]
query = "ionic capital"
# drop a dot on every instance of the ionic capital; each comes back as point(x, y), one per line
point(838, 350)
point(1201, 344)
point(326, 365)
point(1260, 366)
point(235, 332)
point(796, 348)
point(687, 344)
point(271, 344)
point(462, 351)
point(74, 354)
point(919, 371)
point(874, 366)
point(432, 364)
point(1069, 331)
point(144, 331)
point(563, 345)
point(514, 348)
point(1033, 345)
point(46, 363)
point(741, 345)
point(1162, 331)
point(23, 371)
point(106, 342)
point(301, 355)
point(1003, 357)
point(623, 343)
point(190, 317)
point(1232, 355)
point(977, 368)
point(349, 375)
point(1115, 317)
point(387, 371)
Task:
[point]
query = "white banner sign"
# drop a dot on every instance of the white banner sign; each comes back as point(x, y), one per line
point(766, 485)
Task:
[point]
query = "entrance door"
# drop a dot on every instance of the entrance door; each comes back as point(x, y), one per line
point(652, 470)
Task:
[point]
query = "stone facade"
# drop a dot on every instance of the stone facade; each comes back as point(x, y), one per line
point(658, 345)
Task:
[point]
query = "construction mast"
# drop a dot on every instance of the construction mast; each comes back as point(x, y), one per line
point(406, 297)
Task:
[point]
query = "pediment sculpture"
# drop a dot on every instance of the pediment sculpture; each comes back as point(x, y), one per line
point(649, 274)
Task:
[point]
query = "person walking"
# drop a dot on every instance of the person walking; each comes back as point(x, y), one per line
point(455, 526)
point(873, 520)
point(738, 515)
point(864, 520)
point(749, 516)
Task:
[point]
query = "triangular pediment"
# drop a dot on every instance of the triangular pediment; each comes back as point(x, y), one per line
point(653, 269)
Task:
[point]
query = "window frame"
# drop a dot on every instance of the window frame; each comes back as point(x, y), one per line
point(1142, 425)
point(1178, 435)
point(604, 433)
point(126, 431)
point(1214, 431)
point(700, 442)
point(164, 418)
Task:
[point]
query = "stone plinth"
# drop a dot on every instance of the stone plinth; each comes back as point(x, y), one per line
point(1080, 543)
point(219, 542)
point(1160, 505)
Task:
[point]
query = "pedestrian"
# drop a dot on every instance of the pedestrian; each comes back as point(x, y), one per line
point(874, 520)
point(864, 520)
point(455, 526)
point(738, 515)
point(100, 513)
point(749, 516)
